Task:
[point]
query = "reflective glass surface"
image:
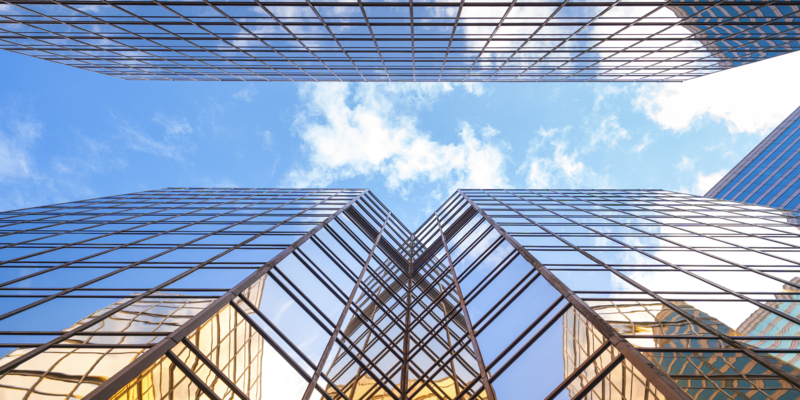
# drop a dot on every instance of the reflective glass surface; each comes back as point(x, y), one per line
point(500, 294)
point(512, 41)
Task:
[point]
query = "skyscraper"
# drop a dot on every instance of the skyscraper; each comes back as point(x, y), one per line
point(325, 294)
point(393, 41)
point(770, 174)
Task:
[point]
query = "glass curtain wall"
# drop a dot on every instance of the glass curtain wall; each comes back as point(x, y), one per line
point(500, 294)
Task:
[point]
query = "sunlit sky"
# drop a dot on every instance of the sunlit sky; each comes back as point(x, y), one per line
point(67, 134)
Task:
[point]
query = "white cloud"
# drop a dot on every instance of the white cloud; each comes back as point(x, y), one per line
point(488, 131)
point(608, 132)
point(15, 158)
point(247, 94)
point(561, 168)
point(174, 143)
point(351, 130)
point(752, 99)
point(646, 141)
point(685, 164)
point(173, 126)
point(704, 183)
point(538, 176)
point(475, 88)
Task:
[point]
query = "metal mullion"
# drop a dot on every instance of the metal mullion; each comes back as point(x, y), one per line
point(344, 243)
point(374, 40)
point(213, 367)
point(65, 222)
point(353, 235)
point(530, 328)
point(317, 273)
point(627, 48)
point(310, 388)
point(383, 307)
point(766, 23)
point(720, 336)
point(357, 313)
point(476, 348)
point(542, 25)
point(721, 239)
point(118, 270)
point(649, 371)
point(492, 275)
point(112, 385)
point(483, 257)
point(318, 315)
point(422, 279)
point(274, 327)
point(675, 267)
point(276, 347)
point(474, 243)
point(330, 32)
point(56, 35)
point(201, 386)
point(450, 42)
point(198, 26)
point(424, 292)
point(386, 286)
point(489, 41)
point(289, 31)
point(599, 377)
point(435, 302)
point(334, 257)
point(449, 354)
point(542, 330)
point(369, 371)
point(506, 304)
point(579, 370)
point(140, 37)
point(240, 26)
point(117, 42)
point(713, 42)
point(135, 264)
point(575, 33)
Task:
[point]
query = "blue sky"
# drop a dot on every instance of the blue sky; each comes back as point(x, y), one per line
point(67, 134)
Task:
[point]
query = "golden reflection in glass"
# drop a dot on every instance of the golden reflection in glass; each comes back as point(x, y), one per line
point(227, 340)
point(66, 373)
point(580, 341)
point(764, 323)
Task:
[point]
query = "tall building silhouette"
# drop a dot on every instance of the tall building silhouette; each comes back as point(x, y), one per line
point(190, 293)
point(371, 41)
point(770, 174)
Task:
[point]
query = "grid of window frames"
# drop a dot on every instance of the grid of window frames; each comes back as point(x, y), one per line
point(283, 40)
point(500, 294)
point(88, 287)
point(770, 174)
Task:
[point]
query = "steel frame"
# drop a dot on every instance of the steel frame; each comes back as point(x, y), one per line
point(365, 41)
point(397, 320)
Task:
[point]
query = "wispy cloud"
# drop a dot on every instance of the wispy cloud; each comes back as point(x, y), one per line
point(704, 183)
point(685, 164)
point(646, 141)
point(552, 162)
point(247, 94)
point(371, 130)
point(16, 138)
point(749, 99)
point(607, 133)
point(174, 143)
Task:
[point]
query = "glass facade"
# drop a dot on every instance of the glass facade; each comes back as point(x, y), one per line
point(248, 294)
point(770, 174)
point(518, 41)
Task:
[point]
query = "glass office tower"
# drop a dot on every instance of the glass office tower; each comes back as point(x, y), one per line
point(191, 293)
point(370, 41)
point(770, 174)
